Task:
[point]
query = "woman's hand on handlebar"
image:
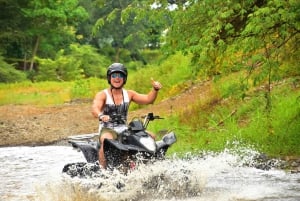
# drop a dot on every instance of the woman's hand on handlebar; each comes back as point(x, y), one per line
point(104, 118)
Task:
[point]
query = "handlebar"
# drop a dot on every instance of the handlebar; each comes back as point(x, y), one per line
point(151, 117)
point(117, 118)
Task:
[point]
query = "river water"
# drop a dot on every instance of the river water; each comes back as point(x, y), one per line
point(35, 173)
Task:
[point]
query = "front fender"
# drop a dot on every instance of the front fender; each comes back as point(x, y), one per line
point(90, 150)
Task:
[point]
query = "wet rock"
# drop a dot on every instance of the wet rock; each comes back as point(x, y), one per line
point(82, 169)
point(263, 162)
point(296, 170)
point(294, 164)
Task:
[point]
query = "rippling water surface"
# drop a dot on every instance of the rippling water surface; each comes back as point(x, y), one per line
point(34, 173)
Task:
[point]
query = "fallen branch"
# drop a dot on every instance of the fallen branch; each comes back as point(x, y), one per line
point(230, 115)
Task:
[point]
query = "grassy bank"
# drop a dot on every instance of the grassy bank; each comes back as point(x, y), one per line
point(218, 123)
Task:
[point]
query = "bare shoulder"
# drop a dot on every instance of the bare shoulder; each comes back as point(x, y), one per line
point(100, 95)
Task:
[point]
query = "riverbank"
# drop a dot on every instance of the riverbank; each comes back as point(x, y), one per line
point(33, 126)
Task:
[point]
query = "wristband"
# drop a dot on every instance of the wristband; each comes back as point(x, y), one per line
point(156, 89)
point(100, 115)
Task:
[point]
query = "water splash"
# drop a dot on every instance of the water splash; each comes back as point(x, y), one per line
point(228, 175)
point(231, 175)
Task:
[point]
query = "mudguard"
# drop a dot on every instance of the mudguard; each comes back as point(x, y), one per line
point(166, 141)
point(89, 150)
point(169, 138)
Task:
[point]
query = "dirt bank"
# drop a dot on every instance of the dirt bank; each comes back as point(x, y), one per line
point(31, 125)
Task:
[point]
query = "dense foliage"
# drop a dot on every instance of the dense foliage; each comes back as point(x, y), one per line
point(223, 36)
point(34, 33)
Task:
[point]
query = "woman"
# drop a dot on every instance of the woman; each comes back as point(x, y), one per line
point(115, 100)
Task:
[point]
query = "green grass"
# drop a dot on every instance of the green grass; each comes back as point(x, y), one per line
point(49, 93)
point(43, 93)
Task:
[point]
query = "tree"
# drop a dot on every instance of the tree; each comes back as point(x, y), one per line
point(76, 62)
point(52, 19)
point(226, 35)
point(259, 36)
point(12, 24)
point(271, 35)
point(127, 25)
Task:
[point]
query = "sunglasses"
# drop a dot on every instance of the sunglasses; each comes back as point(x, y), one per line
point(119, 75)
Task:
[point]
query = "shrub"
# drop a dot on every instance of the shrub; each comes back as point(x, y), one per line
point(9, 74)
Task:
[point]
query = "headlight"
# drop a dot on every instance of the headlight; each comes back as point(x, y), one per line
point(148, 143)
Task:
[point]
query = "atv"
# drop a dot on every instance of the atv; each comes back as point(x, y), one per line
point(134, 145)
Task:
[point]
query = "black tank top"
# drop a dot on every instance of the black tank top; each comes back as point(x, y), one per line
point(111, 108)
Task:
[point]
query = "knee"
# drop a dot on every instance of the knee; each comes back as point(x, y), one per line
point(105, 136)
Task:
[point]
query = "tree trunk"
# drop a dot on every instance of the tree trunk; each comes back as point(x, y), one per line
point(37, 43)
point(25, 62)
point(117, 58)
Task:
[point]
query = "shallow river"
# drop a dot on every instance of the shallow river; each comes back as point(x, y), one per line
point(35, 173)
